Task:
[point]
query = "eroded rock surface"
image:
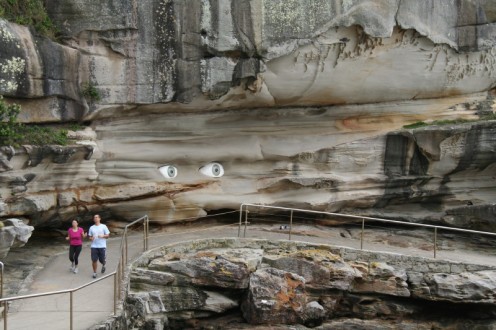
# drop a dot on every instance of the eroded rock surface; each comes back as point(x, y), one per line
point(13, 233)
point(302, 102)
point(384, 290)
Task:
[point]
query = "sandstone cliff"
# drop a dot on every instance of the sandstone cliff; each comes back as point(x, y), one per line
point(301, 102)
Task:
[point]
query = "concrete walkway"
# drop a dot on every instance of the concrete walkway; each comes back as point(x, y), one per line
point(94, 303)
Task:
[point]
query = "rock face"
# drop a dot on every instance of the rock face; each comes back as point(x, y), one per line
point(283, 283)
point(13, 233)
point(301, 102)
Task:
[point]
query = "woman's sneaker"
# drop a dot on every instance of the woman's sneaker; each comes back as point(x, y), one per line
point(72, 267)
point(75, 271)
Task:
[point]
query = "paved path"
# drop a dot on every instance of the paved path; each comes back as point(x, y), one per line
point(94, 304)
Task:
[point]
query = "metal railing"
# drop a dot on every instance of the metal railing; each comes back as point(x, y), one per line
point(1, 293)
point(5, 301)
point(362, 218)
point(1, 280)
point(118, 277)
point(121, 267)
point(120, 273)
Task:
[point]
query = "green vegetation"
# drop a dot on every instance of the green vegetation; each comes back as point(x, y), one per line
point(16, 134)
point(42, 135)
point(491, 116)
point(9, 128)
point(91, 92)
point(29, 13)
point(416, 125)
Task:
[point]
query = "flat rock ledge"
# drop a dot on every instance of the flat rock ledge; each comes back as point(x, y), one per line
point(256, 284)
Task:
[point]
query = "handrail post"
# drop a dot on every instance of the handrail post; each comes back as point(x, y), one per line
point(290, 223)
point(147, 231)
point(246, 221)
point(5, 304)
point(1, 283)
point(435, 241)
point(125, 246)
point(115, 293)
point(71, 310)
point(5, 312)
point(124, 262)
point(240, 219)
point(361, 234)
point(119, 278)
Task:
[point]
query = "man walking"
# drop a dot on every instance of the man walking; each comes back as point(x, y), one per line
point(98, 234)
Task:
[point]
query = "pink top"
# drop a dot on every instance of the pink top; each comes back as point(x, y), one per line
point(75, 237)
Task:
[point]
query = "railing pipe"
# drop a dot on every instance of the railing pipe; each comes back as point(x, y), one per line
point(119, 273)
point(240, 219)
point(126, 247)
point(290, 224)
point(123, 262)
point(435, 241)
point(361, 234)
point(5, 312)
point(143, 218)
point(376, 219)
point(116, 289)
point(1, 280)
point(4, 301)
point(51, 293)
point(146, 228)
point(246, 221)
point(71, 308)
point(118, 276)
point(5, 305)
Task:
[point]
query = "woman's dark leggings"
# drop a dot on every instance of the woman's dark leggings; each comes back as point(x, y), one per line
point(74, 251)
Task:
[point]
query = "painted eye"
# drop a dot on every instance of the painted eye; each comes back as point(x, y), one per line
point(214, 170)
point(168, 171)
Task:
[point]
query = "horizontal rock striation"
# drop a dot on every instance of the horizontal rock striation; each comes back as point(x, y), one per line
point(291, 283)
point(302, 103)
point(436, 174)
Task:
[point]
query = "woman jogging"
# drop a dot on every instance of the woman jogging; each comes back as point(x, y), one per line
point(75, 236)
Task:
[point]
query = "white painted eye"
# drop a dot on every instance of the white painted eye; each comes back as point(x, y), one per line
point(168, 171)
point(214, 170)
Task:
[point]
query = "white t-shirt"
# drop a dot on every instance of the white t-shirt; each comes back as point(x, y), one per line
point(96, 231)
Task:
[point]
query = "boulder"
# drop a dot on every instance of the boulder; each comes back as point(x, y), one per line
point(474, 287)
point(204, 271)
point(274, 297)
point(13, 233)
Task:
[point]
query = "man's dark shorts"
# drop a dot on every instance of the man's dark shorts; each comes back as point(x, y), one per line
point(98, 254)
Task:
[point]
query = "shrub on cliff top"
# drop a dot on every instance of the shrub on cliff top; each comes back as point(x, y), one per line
point(15, 134)
point(30, 13)
point(9, 128)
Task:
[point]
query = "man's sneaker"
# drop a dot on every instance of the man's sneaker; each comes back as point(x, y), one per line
point(94, 275)
point(103, 269)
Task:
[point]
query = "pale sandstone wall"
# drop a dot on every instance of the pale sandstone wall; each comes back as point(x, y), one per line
point(302, 102)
